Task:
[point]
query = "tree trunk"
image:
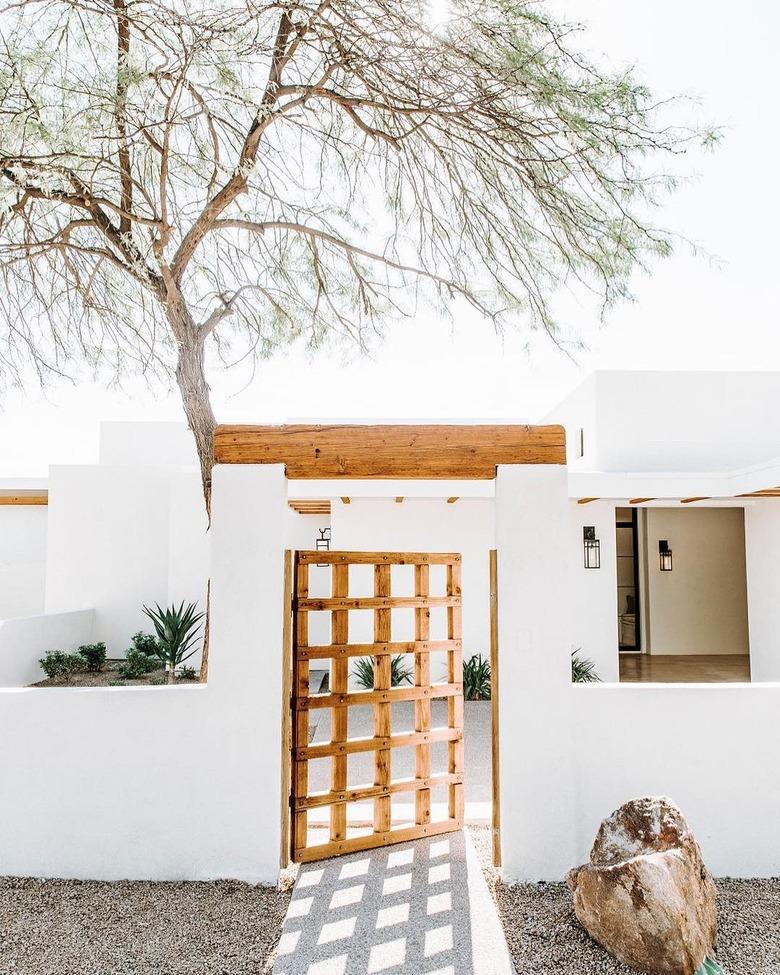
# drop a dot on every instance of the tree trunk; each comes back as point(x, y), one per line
point(171, 674)
point(196, 400)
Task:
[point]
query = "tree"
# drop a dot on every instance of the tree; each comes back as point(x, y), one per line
point(244, 173)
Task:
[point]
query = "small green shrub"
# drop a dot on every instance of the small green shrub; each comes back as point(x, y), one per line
point(57, 663)
point(186, 673)
point(476, 678)
point(115, 683)
point(94, 655)
point(400, 672)
point(158, 679)
point(145, 643)
point(583, 670)
point(137, 664)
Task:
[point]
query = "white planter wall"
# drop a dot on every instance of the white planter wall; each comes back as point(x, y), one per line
point(23, 641)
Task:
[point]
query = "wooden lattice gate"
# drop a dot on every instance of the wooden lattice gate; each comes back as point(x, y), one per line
point(340, 699)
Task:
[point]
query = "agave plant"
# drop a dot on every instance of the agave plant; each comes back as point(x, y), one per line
point(177, 630)
point(399, 672)
point(583, 670)
point(476, 678)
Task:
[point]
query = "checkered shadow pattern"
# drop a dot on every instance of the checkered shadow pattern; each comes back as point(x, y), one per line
point(403, 910)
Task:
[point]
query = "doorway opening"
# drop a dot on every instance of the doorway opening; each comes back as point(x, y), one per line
point(628, 599)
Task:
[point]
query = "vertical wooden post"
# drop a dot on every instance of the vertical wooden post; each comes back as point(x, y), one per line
point(287, 667)
point(422, 708)
point(339, 672)
point(455, 676)
point(382, 712)
point(301, 719)
point(496, 796)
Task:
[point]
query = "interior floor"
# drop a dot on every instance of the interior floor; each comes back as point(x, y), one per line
point(685, 668)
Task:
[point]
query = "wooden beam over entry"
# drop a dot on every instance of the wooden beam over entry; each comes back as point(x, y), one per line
point(377, 451)
point(24, 498)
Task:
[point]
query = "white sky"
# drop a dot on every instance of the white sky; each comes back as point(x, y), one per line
point(692, 313)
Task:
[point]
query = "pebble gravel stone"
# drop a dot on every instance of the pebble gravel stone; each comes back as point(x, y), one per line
point(545, 937)
point(76, 927)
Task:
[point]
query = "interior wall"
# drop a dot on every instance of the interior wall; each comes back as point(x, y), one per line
point(22, 560)
point(700, 607)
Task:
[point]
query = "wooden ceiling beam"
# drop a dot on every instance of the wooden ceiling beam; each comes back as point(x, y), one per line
point(306, 506)
point(693, 500)
point(383, 451)
point(452, 500)
point(399, 500)
point(586, 500)
point(640, 500)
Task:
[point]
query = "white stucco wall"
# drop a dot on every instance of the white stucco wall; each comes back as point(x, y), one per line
point(22, 559)
point(762, 547)
point(156, 782)
point(24, 640)
point(571, 754)
point(119, 538)
point(700, 607)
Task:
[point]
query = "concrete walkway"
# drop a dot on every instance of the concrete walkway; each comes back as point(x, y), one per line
point(420, 908)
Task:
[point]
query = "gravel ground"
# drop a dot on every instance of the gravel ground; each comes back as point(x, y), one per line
point(60, 927)
point(546, 939)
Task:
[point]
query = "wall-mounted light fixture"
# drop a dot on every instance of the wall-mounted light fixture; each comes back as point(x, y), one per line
point(664, 555)
point(322, 544)
point(591, 547)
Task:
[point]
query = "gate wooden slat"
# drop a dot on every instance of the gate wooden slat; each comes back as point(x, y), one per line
point(455, 704)
point(300, 718)
point(382, 712)
point(422, 708)
point(339, 679)
point(380, 698)
point(333, 650)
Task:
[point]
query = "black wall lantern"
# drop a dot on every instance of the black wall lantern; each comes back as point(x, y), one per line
point(591, 547)
point(664, 555)
point(322, 544)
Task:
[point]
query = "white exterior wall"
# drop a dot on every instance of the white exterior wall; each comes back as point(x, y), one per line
point(571, 754)
point(417, 525)
point(196, 793)
point(762, 548)
point(22, 560)
point(119, 538)
point(24, 640)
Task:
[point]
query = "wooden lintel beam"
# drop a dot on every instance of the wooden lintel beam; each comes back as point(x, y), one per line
point(382, 451)
point(21, 499)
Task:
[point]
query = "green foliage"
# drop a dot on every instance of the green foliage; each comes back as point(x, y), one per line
point(176, 629)
point(583, 670)
point(145, 643)
point(57, 663)
point(157, 680)
point(186, 673)
point(400, 672)
point(138, 664)
point(709, 967)
point(94, 655)
point(476, 678)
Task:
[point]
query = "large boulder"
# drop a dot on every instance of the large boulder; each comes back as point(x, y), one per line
point(646, 894)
